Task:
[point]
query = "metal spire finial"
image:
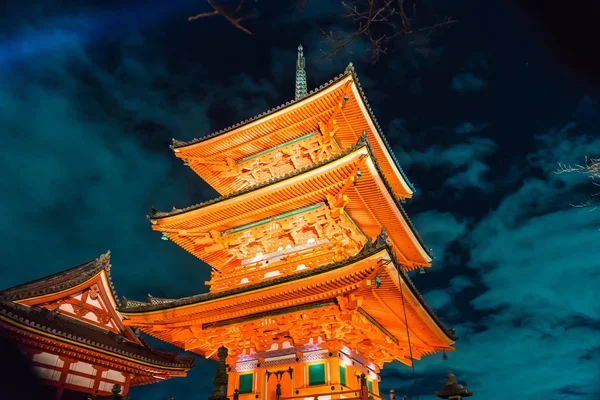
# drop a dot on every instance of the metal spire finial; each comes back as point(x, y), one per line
point(300, 75)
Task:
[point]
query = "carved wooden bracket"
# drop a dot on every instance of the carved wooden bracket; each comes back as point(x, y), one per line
point(279, 374)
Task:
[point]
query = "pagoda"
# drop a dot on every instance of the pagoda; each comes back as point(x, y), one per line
point(309, 248)
point(68, 326)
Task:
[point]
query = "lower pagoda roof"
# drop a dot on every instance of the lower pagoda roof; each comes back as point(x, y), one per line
point(53, 325)
point(215, 309)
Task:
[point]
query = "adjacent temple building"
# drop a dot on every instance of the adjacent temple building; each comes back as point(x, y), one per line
point(309, 248)
point(69, 328)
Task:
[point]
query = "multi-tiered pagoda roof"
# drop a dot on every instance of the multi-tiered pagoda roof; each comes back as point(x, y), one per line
point(305, 190)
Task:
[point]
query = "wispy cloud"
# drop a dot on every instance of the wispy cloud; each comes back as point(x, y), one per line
point(467, 83)
point(461, 163)
point(467, 128)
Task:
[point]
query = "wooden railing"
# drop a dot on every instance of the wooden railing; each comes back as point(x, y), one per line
point(359, 394)
point(317, 395)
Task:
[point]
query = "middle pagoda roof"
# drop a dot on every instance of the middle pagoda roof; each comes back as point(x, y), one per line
point(351, 182)
point(337, 110)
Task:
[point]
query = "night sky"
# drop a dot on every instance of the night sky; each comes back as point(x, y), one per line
point(478, 113)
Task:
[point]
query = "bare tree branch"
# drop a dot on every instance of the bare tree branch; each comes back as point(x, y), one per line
point(232, 17)
point(590, 168)
point(379, 22)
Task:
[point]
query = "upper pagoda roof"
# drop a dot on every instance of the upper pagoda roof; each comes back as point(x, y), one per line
point(62, 280)
point(56, 326)
point(274, 127)
point(389, 213)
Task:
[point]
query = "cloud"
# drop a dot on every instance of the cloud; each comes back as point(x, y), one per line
point(459, 283)
point(460, 162)
point(439, 230)
point(468, 128)
point(467, 83)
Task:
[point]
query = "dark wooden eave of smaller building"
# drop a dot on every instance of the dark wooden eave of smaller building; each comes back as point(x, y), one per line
point(52, 324)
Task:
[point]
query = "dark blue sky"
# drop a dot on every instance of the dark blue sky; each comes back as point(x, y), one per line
point(479, 115)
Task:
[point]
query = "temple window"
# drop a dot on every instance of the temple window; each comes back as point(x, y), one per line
point(316, 374)
point(342, 375)
point(246, 381)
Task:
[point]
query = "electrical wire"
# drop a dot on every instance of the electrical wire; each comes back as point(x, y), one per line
point(412, 361)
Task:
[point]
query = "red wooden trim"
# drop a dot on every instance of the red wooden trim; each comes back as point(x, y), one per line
point(127, 383)
point(116, 317)
point(63, 375)
point(85, 320)
point(85, 374)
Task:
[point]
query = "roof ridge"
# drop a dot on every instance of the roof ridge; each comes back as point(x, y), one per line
point(384, 239)
point(179, 143)
point(398, 203)
point(351, 70)
point(88, 269)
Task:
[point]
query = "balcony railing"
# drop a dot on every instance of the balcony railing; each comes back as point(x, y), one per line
point(359, 394)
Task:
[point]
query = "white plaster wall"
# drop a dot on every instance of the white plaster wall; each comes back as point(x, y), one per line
point(83, 367)
point(80, 381)
point(66, 308)
point(46, 373)
point(114, 375)
point(48, 359)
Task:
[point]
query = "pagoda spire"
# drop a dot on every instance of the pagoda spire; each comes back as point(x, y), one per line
point(300, 75)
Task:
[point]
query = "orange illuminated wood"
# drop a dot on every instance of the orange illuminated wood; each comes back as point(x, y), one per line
point(309, 249)
point(351, 310)
point(350, 182)
point(337, 110)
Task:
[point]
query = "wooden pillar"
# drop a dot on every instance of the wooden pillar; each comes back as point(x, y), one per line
point(232, 383)
point(334, 369)
point(261, 382)
point(299, 373)
point(364, 389)
point(63, 375)
point(127, 383)
point(98, 378)
point(376, 386)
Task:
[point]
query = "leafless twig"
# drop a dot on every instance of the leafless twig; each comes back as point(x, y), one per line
point(379, 22)
point(590, 168)
point(233, 17)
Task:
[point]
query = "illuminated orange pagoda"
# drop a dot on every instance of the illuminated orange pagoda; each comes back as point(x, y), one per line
point(69, 328)
point(309, 248)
